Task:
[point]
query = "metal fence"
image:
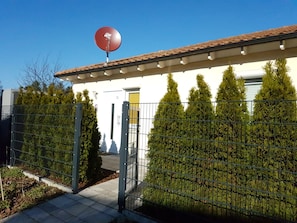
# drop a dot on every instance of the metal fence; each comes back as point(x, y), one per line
point(45, 141)
point(251, 176)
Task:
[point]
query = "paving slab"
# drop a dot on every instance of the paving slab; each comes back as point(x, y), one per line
point(18, 218)
point(37, 214)
point(63, 215)
point(111, 162)
point(48, 207)
point(60, 202)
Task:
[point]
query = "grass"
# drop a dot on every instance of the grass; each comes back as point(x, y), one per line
point(19, 192)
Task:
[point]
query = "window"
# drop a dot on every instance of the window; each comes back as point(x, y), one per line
point(252, 88)
point(253, 83)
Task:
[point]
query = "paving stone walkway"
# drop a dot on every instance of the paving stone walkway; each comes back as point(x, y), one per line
point(97, 203)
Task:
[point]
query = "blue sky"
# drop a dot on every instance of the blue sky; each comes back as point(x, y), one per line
point(63, 30)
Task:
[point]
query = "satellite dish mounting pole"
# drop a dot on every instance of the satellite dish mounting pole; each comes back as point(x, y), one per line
point(107, 56)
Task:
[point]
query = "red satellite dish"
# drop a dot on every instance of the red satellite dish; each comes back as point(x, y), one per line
point(108, 39)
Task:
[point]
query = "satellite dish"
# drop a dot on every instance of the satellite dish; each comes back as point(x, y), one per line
point(108, 39)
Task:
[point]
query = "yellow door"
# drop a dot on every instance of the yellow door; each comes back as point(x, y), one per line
point(134, 107)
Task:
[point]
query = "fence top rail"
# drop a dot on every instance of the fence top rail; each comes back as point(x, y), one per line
point(215, 101)
point(46, 105)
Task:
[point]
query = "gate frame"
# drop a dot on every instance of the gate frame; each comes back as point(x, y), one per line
point(123, 155)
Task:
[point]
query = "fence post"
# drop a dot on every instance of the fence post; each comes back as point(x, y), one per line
point(136, 153)
point(12, 137)
point(123, 155)
point(76, 147)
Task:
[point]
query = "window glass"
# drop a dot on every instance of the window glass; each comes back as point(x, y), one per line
point(252, 88)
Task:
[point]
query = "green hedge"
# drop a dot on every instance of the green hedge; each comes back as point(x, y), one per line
point(48, 133)
point(227, 162)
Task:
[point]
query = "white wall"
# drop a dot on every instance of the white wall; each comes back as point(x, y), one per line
point(152, 89)
point(8, 99)
point(292, 64)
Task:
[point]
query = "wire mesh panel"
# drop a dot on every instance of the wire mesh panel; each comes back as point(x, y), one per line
point(43, 139)
point(212, 165)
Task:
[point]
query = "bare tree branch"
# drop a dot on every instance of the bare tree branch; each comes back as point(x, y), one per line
point(40, 74)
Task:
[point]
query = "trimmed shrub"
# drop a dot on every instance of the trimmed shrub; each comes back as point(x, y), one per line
point(229, 155)
point(48, 132)
point(273, 138)
point(198, 140)
point(90, 161)
point(165, 148)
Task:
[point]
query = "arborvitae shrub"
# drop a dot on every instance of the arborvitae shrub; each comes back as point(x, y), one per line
point(49, 130)
point(90, 161)
point(165, 149)
point(31, 99)
point(251, 166)
point(274, 141)
point(198, 139)
point(230, 154)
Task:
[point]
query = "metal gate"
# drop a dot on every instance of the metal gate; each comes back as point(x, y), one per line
point(128, 182)
point(136, 124)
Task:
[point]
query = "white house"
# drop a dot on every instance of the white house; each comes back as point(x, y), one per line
point(143, 78)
